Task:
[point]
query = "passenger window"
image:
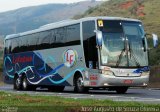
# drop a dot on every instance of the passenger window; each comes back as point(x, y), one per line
point(60, 34)
point(44, 39)
point(73, 34)
point(14, 45)
point(32, 42)
point(24, 43)
point(52, 39)
point(60, 37)
point(8, 46)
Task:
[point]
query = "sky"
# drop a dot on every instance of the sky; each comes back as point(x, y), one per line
point(6, 5)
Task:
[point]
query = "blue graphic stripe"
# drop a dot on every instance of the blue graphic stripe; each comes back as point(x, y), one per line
point(8, 71)
point(66, 77)
point(25, 69)
point(141, 70)
point(54, 71)
point(39, 72)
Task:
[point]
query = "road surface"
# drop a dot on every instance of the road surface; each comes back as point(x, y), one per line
point(134, 94)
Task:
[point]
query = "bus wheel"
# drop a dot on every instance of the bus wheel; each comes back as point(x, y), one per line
point(17, 83)
point(79, 85)
point(121, 90)
point(25, 85)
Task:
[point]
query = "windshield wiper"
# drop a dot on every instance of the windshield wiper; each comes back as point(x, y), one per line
point(129, 49)
point(124, 50)
point(120, 57)
point(132, 54)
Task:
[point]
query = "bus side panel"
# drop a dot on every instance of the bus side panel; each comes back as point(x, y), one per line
point(45, 67)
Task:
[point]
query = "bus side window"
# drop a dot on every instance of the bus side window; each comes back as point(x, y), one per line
point(52, 39)
point(24, 44)
point(7, 46)
point(14, 45)
point(44, 39)
point(20, 45)
point(73, 35)
point(60, 35)
point(32, 42)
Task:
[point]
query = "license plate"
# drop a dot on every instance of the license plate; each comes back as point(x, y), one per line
point(128, 81)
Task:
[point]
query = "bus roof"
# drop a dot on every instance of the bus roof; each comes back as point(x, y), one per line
point(67, 22)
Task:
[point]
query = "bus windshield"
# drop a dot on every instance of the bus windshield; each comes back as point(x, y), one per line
point(123, 44)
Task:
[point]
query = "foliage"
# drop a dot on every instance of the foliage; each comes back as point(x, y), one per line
point(27, 103)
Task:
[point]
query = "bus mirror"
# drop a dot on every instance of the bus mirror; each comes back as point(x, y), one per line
point(155, 40)
point(144, 45)
point(99, 37)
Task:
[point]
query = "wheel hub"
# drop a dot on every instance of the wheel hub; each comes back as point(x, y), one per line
point(24, 84)
point(18, 82)
point(80, 82)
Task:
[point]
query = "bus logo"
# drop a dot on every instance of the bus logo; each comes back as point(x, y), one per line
point(70, 58)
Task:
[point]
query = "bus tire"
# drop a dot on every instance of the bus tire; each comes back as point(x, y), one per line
point(17, 83)
point(25, 85)
point(121, 90)
point(79, 85)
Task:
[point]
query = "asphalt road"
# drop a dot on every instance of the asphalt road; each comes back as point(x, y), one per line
point(134, 94)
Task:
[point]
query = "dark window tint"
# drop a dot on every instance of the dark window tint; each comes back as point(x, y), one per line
point(24, 43)
point(73, 34)
point(32, 41)
point(59, 37)
point(7, 46)
point(14, 45)
point(28, 42)
point(20, 45)
point(112, 27)
point(52, 39)
point(66, 36)
point(44, 39)
point(89, 44)
point(60, 34)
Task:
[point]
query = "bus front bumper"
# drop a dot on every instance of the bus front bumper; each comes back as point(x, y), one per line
point(107, 81)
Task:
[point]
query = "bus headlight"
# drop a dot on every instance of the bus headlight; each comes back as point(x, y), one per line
point(86, 74)
point(145, 74)
point(107, 72)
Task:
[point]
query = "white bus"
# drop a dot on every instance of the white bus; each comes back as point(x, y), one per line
point(93, 52)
